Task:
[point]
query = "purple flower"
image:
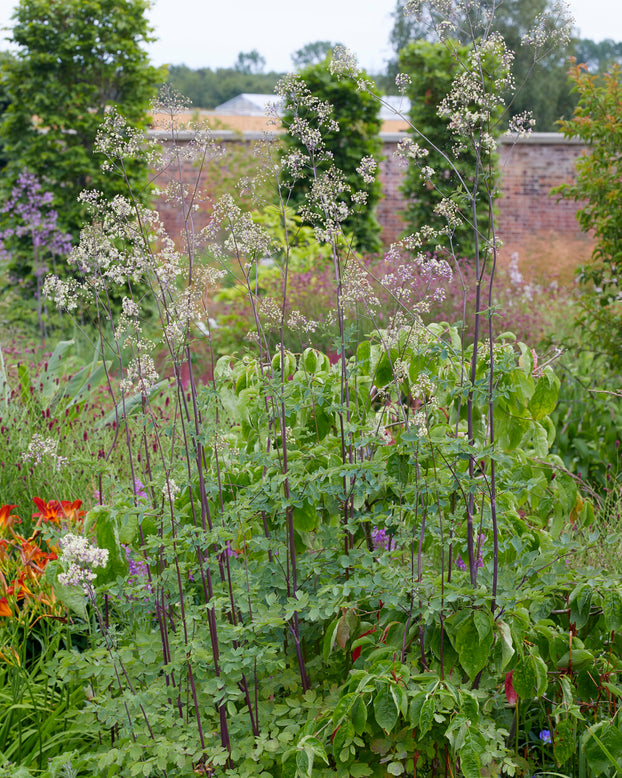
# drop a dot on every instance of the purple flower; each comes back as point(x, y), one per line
point(138, 567)
point(380, 539)
point(139, 489)
point(545, 736)
point(459, 563)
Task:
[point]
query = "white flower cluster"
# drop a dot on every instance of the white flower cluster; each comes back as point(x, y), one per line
point(367, 169)
point(423, 388)
point(65, 294)
point(271, 312)
point(421, 423)
point(402, 81)
point(118, 140)
point(407, 149)
point(522, 124)
point(170, 490)
point(244, 238)
point(356, 288)
point(450, 211)
point(325, 207)
point(40, 448)
point(140, 375)
point(475, 97)
point(400, 370)
point(80, 557)
point(553, 27)
point(298, 321)
point(344, 63)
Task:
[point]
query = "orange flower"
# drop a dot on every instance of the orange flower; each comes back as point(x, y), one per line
point(7, 520)
point(4, 607)
point(33, 557)
point(54, 511)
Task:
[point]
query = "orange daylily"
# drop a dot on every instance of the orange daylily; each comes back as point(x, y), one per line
point(54, 511)
point(4, 607)
point(32, 556)
point(7, 519)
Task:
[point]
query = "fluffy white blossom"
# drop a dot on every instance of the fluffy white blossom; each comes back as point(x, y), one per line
point(41, 448)
point(79, 557)
point(344, 63)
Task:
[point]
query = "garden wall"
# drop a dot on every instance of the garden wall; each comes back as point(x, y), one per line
point(527, 215)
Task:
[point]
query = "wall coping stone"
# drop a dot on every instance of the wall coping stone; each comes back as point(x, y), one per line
point(536, 138)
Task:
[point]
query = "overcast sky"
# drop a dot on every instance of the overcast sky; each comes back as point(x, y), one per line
point(210, 33)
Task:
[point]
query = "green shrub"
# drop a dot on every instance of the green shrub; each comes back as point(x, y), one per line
point(349, 135)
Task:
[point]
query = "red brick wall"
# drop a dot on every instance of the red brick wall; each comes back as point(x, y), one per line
point(530, 167)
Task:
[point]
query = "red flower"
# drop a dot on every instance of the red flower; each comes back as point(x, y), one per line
point(55, 511)
point(8, 520)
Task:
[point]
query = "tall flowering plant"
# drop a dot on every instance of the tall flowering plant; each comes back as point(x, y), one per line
point(354, 565)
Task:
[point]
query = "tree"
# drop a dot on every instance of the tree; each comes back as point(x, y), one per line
point(597, 120)
point(539, 73)
point(357, 139)
point(434, 66)
point(312, 53)
point(206, 88)
point(250, 62)
point(75, 60)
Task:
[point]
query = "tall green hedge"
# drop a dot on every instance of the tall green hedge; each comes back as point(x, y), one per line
point(357, 113)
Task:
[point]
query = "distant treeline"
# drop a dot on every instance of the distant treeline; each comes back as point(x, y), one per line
point(544, 88)
point(207, 88)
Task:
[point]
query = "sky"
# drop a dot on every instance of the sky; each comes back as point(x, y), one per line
point(210, 33)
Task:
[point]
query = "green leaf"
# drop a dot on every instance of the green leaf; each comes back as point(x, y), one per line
point(359, 715)
point(343, 707)
point(542, 679)
point(384, 372)
point(470, 762)
point(426, 715)
point(398, 467)
point(483, 624)
point(395, 768)
point(304, 764)
point(360, 770)
point(524, 677)
point(107, 536)
point(72, 597)
point(132, 404)
point(330, 638)
point(564, 741)
point(363, 355)
point(385, 709)
point(544, 398)
point(472, 644)
point(579, 658)
point(580, 600)
point(306, 516)
point(612, 610)
point(507, 648)
point(602, 744)
point(414, 709)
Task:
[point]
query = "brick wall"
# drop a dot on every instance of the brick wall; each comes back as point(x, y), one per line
point(530, 167)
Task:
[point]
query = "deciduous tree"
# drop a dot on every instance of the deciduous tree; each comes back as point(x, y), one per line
point(75, 60)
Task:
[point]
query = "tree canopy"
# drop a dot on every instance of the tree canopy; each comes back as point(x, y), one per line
point(542, 82)
point(74, 61)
